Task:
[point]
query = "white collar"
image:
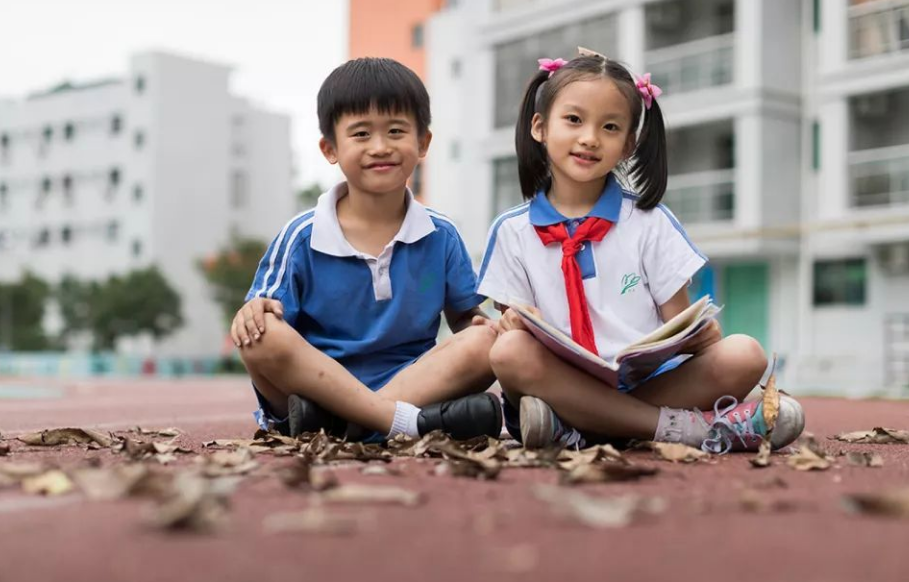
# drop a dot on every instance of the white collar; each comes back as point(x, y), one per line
point(328, 238)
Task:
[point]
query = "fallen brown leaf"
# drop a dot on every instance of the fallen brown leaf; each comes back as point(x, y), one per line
point(808, 458)
point(605, 472)
point(876, 436)
point(111, 483)
point(372, 494)
point(893, 503)
point(754, 501)
point(226, 463)
point(164, 432)
point(762, 458)
point(51, 483)
point(193, 503)
point(771, 400)
point(301, 474)
point(861, 459)
point(677, 452)
point(66, 436)
point(598, 512)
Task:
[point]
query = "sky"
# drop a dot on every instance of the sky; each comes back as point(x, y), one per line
point(281, 50)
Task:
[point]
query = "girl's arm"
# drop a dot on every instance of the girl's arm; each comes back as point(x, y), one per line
point(676, 304)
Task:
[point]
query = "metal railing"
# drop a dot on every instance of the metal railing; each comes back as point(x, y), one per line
point(879, 177)
point(699, 64)
point(702, 197)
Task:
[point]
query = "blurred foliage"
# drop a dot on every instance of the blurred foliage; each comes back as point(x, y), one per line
point(308, 196)
point(21, 314)
point(142, 301)
point(230, 272)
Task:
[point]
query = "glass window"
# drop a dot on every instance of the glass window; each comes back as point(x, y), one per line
point(47, 133)
point(69, 131)
point(137, 248)
point(4, 197)
point(138, 193)
point(116, 124)
point(416, 36)
point(43, 238)
point(140, 84)
point(113, 230)
point(516, 61)
point(238, 190)
point(139, 139)
point(66, 235)
point(840, 282)
point(506, 186)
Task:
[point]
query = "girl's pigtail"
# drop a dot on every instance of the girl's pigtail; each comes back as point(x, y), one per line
point(533, 165)
point(649, 171)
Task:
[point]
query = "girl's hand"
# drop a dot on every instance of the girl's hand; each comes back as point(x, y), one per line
point(483, 320)
point(708, 336)
point(512, 321)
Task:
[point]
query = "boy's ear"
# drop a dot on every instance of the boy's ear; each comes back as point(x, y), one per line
point(328, 150)
point(538, 128)
point(424, 143)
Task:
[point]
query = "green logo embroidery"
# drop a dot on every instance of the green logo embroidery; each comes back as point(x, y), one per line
point(629, 281)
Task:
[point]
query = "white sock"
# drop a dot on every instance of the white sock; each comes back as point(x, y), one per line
point(677, 425)
point(405, 421)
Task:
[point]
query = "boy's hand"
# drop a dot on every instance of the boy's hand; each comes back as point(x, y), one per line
point(483, 320)
point(511, 320)
point(249, 323)
point(708, 336)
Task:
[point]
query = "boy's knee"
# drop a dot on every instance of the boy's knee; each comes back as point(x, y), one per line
point(272, 348)
point(511, 356)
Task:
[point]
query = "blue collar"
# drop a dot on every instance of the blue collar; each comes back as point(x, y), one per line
point(608, 206)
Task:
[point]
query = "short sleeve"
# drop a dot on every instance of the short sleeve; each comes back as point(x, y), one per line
point(502, 275)
point(460, 279)
point(669, 257)
point(278, 277)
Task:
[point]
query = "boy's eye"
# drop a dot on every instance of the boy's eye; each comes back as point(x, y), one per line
point(361, 134)
point(396, 131)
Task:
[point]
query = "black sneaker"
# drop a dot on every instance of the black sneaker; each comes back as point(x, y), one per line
point(304, 415)
point(464, 418)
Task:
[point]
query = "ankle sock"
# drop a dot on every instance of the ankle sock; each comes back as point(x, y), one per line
point(405, 420)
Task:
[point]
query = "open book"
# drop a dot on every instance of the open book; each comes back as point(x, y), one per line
point(636, 362)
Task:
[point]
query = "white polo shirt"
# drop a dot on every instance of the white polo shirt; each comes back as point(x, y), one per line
point(644, 259)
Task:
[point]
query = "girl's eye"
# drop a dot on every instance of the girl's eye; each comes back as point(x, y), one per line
point(573, 118)
point(611, 127)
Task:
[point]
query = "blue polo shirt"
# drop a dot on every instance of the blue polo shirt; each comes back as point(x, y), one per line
point(374, 315)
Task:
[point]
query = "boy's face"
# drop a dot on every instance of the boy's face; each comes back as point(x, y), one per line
point(377, 151)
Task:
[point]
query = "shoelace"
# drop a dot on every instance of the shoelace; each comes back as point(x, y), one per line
point(722, 432)
point(565, 435)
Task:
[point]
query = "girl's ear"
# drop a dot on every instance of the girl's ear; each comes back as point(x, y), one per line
point(328, 150)
point(538, 128)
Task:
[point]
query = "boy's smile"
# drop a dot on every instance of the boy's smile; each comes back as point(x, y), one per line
point(377, 151)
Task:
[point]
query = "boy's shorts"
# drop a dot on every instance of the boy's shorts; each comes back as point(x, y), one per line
point(267, 419)
point(513, 419)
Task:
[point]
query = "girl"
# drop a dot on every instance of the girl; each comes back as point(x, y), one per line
point(608, 266)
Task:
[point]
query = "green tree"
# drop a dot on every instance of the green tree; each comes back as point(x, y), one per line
point(21, 314)
point(230, 272)
point(142, 301)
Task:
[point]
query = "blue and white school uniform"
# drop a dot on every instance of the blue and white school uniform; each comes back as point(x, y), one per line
point(374, 315)
point(641, 263)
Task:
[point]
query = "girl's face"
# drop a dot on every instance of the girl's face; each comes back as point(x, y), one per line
point(588, 130)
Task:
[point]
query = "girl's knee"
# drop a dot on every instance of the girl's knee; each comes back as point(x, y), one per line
point(512, 355)
point(744, 360)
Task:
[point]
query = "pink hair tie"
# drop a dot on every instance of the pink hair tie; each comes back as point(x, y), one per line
point(551, 65)
point(648, 90)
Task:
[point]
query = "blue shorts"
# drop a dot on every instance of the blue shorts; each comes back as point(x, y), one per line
point(513, 419)
point(266, 419)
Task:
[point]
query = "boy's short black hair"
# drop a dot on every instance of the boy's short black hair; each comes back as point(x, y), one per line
point(360, 84)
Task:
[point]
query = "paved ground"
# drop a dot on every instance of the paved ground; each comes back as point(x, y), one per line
point(467, 529)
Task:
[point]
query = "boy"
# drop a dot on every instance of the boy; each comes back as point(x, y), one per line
point(340, 325)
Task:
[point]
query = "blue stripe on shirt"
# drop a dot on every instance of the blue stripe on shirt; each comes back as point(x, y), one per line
point(494, 232)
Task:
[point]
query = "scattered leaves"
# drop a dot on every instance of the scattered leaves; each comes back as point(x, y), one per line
point(373, 494)
point(316, 520)
point(300, 474)
point(862, 459)
point(225, 463)
point(754, 501)
point(762, 458)
point(598, 512)
point(193, 503)
point(893, 503)
point(51, 483)
point(809, 456)
point(677, 452)
point(161, 432)
point(876, 436)
point(66, 436)
point(605, 472)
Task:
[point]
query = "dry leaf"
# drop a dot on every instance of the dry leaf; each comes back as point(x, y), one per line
point(373, 494)
point(316, 520)
point(876, 436)
point(4, 449)
point(16, 472)
point(113, 483)
point(604, 472)
point(66, 436)
point(892, 503)
point(755, 502)
point(164, 432)
point(807, 458)
point(771, 400)
point(225, 463)
point(598, 512)
point(861, 459)
point(762, 458)
point(677, 452)
point(300, 474)
point(54, 482)
point(193, 503)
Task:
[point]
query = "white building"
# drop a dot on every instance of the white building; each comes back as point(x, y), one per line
point(788, 133)
point(161, 166)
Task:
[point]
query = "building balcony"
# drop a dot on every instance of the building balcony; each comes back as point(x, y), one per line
point(879, 177)
point(693, 66)
point(700, 198)
point(878, 27)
